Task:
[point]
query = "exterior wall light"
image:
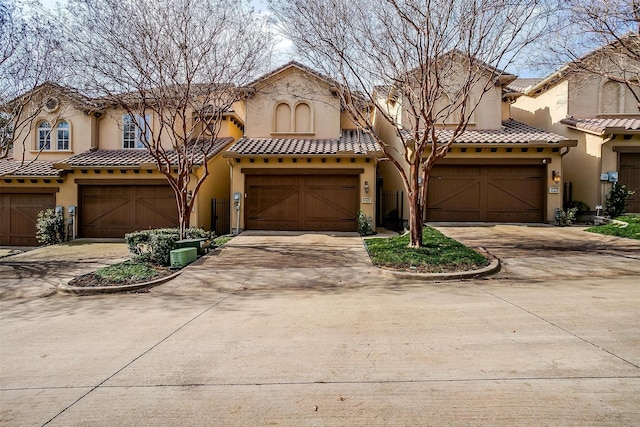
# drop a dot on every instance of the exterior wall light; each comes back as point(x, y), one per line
point(556, 177)
point(366, 187)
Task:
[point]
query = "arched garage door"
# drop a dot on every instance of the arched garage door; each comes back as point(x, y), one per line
point(486, 193)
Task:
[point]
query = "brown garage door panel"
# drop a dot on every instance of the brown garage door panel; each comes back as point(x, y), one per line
point(305, 203)
point(485, 193)
point(19, 214)
point(107, 211)
point(630, 177)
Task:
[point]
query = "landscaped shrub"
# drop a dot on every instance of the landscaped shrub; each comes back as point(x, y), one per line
point(154, 246)
point(50, 227)
point(616, 201)
point(364, 224)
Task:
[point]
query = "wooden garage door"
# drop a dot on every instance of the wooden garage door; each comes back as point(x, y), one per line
point(18, 215)
point(304, 203)
point(630, 177)
point(486, 193)
point(113, 211)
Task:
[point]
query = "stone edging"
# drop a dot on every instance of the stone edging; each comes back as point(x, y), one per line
point(90, 290)
point(492, 268)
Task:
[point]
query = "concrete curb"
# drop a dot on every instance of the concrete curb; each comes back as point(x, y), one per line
point(492, 268)
point(94, 290)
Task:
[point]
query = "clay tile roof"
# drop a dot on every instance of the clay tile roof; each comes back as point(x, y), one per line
point(601, 126)
point(131, 157)
point(36, 168)
point(351, 142)
point(512, 132)
point(520, 85)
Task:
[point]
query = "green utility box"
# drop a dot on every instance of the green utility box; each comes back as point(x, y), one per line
point(201, 245)
point(182, 257)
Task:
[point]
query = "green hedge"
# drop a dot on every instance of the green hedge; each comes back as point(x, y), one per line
point(154, 246)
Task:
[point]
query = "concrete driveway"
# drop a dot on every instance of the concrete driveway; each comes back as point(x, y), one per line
point(546, 252)
point(38, 272)
point(300, 330)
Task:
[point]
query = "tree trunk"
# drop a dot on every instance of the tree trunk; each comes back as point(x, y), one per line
point(415, 220)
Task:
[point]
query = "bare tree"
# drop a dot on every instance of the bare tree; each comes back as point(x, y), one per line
point(28, 48)
point(178, 62)
point(600, 37)
point(436, 57)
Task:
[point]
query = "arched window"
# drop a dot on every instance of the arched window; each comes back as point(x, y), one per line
point(283, 118)
point(63, 136)
point(303, 118)
point(44, 136)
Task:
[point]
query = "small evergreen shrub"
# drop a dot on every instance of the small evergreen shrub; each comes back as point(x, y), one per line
point(564, 218)
point(154, 246)
point(364, 224)
point(50, 227)
point(616, 201)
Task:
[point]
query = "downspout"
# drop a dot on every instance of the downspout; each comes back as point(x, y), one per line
point(601, 195)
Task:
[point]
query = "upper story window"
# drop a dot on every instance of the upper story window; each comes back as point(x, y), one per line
point(63, 136)
point(135, 131)
point(293, 120)
point(52, 139)
point(44, 136)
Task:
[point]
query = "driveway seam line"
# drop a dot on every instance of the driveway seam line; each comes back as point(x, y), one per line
point(562, 329)
point(418, 381)
point(230, 294)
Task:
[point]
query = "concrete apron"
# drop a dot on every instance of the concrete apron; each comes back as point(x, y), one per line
point(547, 252)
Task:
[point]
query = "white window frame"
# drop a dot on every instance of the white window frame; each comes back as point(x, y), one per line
point(44, 136)
point(60, 136)
point(132, 131)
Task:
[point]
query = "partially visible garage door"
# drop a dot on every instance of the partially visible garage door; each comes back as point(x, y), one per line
point(301, 203)
point(486, 193)
point(113, 211)
point(630, 177)
point(18, 215)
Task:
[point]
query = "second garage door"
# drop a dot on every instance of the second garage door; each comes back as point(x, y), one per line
point(301, 203)
point(486, 193)
point(113, 211)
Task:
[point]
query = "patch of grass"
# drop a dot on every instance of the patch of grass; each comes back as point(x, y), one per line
point(127, 272)
point(631, 231)
point(440, 254)
point(221, 240)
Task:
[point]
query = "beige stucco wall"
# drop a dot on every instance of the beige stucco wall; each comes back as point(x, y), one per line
point(488, 113)
point(292, 86)
point(544, 111)
point(369, 175)
point(81, 128)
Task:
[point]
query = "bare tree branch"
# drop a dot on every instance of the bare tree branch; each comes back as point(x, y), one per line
point(439, 56)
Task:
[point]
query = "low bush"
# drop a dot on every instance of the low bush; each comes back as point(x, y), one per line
point(50, 227)
point(154, 246)
point(616, 202)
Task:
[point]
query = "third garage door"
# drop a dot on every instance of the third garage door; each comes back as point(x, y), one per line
point(301, 202)
point(486, 193)
point(113, 211)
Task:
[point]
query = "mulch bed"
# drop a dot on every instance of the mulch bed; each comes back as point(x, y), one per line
point(90, 280)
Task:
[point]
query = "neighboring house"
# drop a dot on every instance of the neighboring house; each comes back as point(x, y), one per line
point(498, 170)
point(87, 159)
point(598, 111)
point(302, 164)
